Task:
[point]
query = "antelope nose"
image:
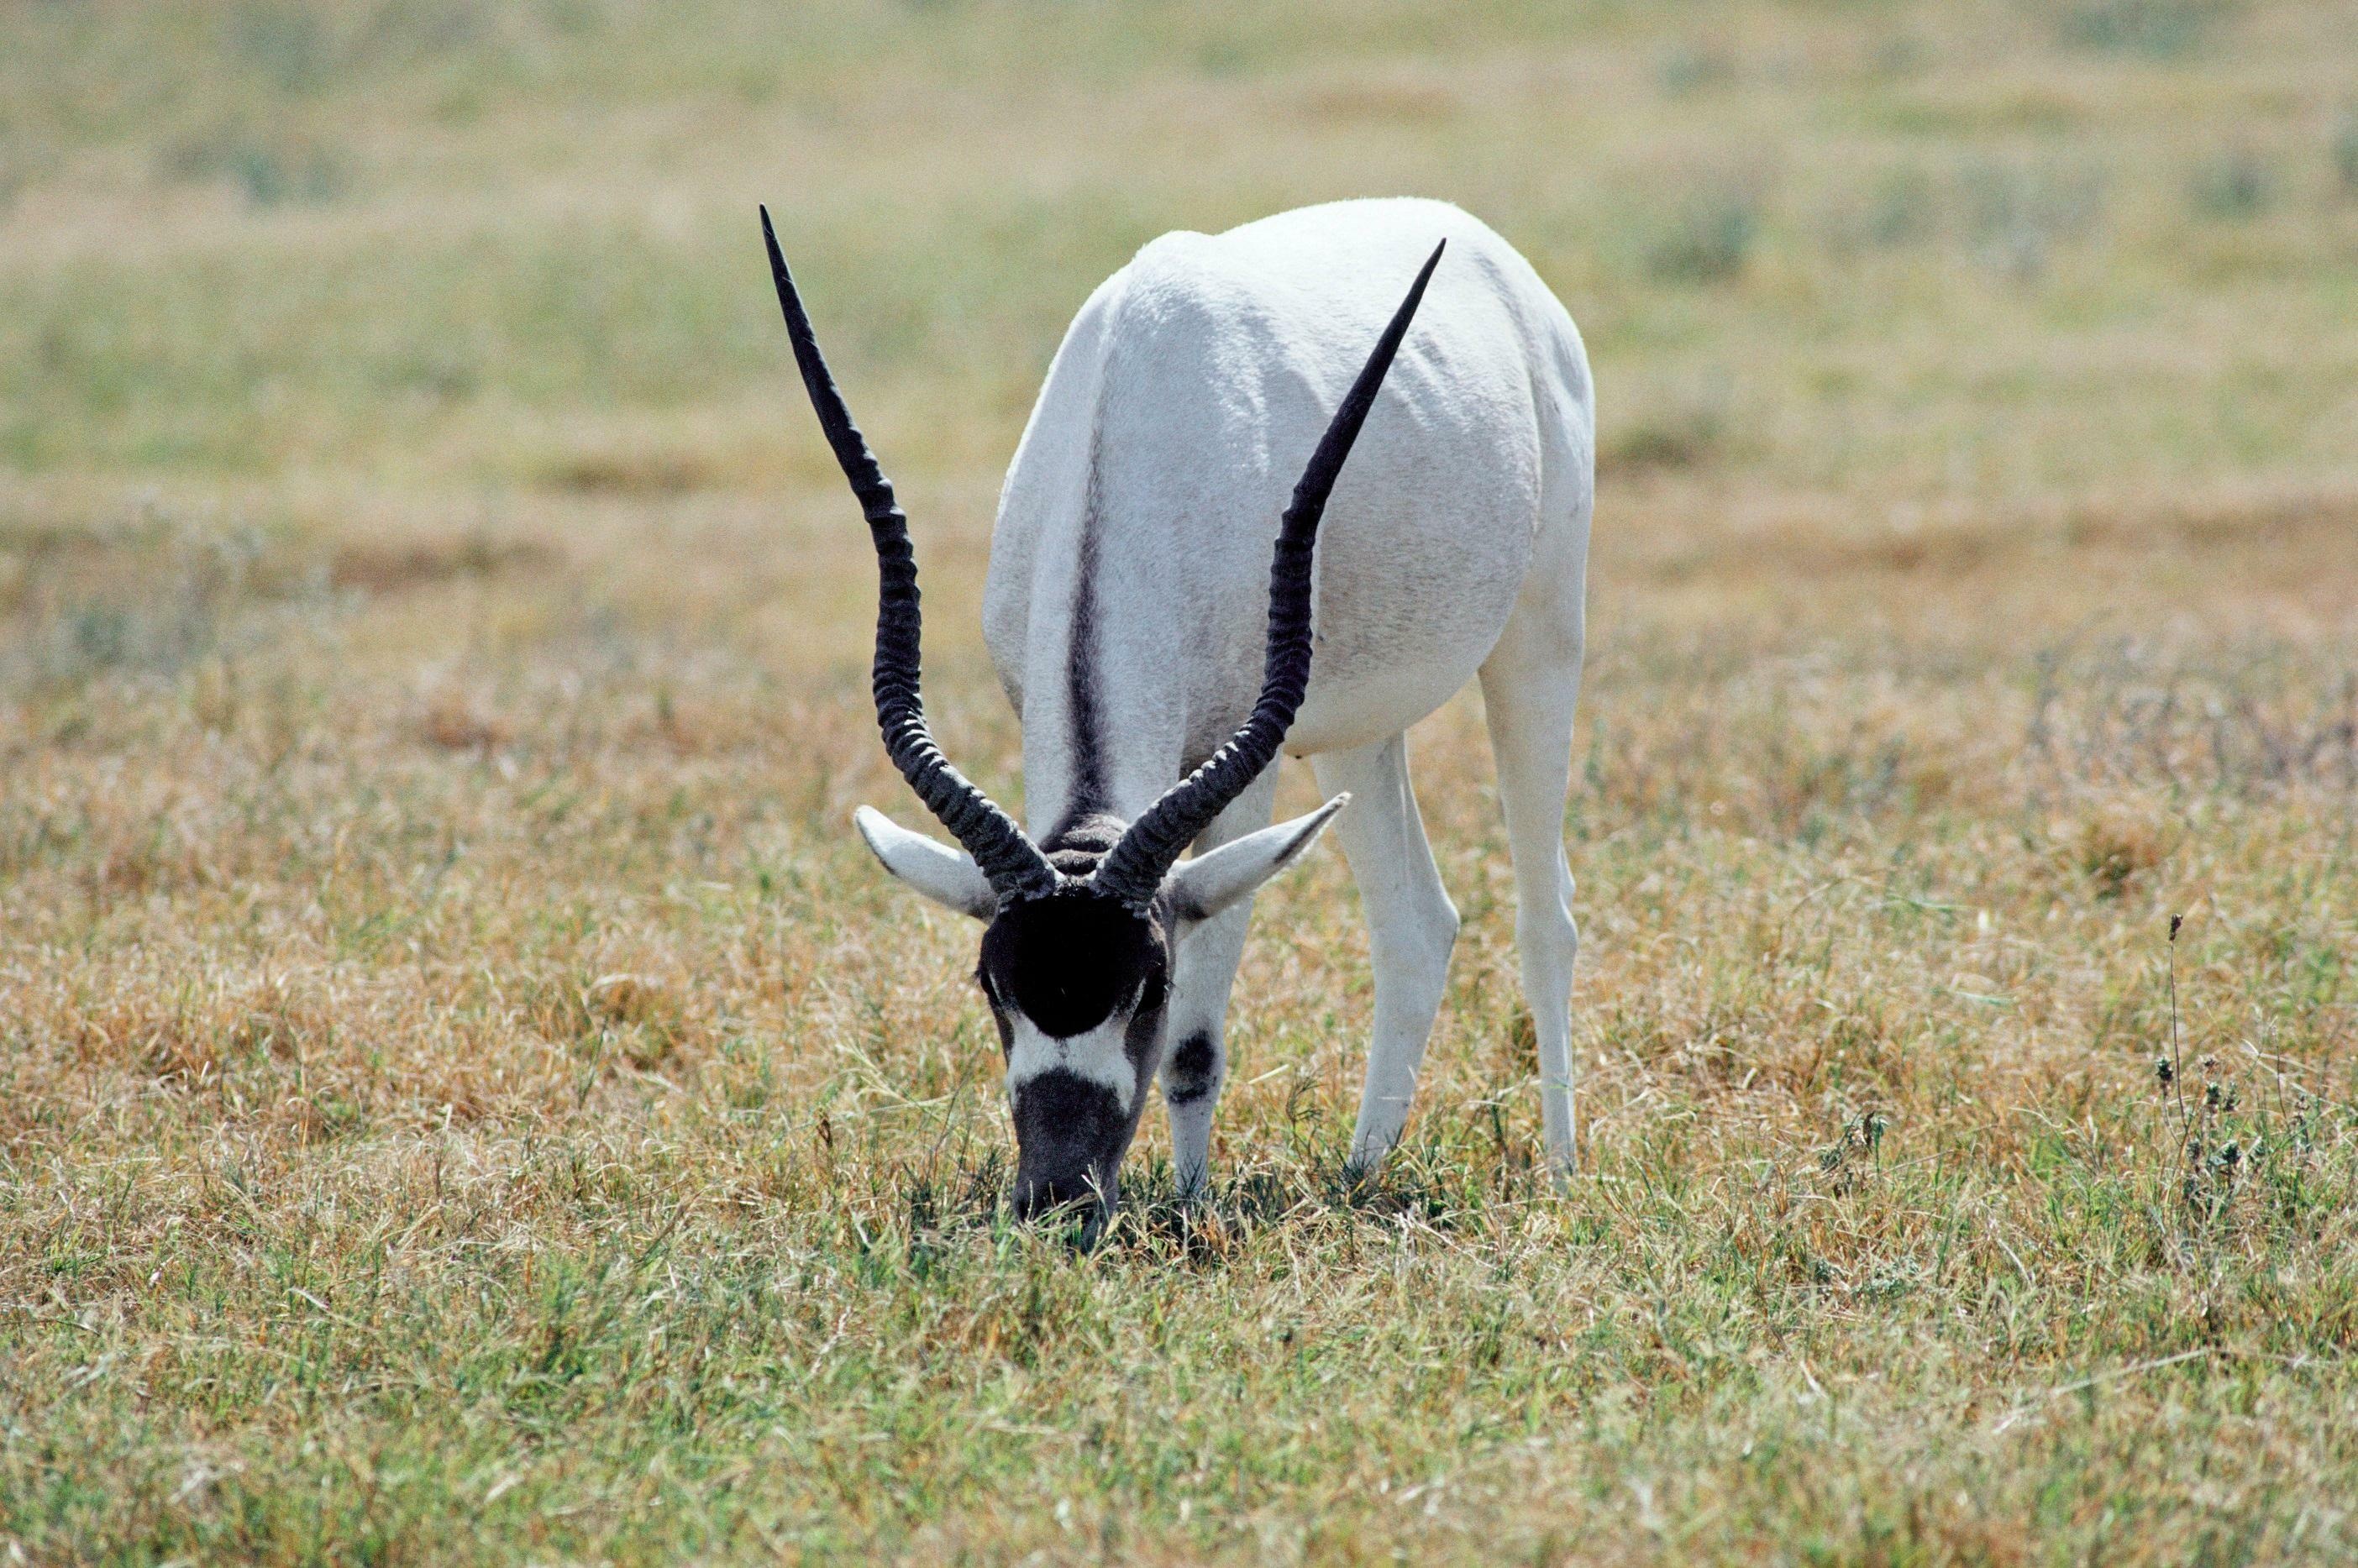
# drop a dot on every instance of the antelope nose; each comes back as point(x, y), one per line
point(1036, 1195)
point(1086, 1196)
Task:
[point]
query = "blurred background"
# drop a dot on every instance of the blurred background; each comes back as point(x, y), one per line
point(392, 267)
point(433, 646)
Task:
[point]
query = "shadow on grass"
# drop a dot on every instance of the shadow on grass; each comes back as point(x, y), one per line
point(1430, 1189)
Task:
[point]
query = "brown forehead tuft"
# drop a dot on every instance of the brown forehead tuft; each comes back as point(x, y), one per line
point(1079, 843)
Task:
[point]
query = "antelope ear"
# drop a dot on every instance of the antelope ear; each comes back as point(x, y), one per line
point(949, 877)
point(1210, 882)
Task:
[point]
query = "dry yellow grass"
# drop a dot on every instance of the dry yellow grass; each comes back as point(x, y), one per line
point(464, 1093)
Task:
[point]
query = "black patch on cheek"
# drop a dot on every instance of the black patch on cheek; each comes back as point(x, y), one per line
point(998, 1014)
point(1188, 1078)
point(1145, 1032)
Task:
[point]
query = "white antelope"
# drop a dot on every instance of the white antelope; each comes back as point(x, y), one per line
point(1159, 660)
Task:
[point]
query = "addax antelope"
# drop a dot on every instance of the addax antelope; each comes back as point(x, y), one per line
point(1160, 660)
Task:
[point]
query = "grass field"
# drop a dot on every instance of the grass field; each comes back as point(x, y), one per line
point(466, 1095)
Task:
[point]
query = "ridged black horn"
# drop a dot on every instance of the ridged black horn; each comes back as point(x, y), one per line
point(1133, 871)
point(1012, 862)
